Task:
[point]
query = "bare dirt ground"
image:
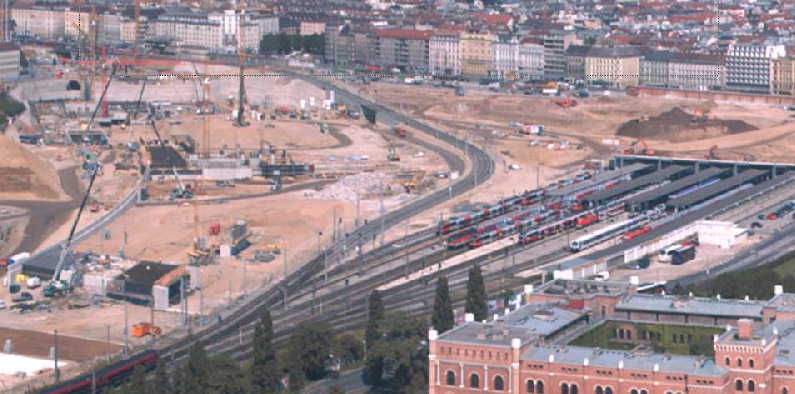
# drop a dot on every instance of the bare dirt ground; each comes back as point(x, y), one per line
point(37, 344)
point(24, 176)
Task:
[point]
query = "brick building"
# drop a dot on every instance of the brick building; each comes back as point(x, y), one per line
point(521, 351)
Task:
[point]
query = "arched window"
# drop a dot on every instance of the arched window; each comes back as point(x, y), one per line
point(499, 385)
point(633, 391)
point(728, 361)
point(474, 381)
point(739, 362)
point(531, 386)
point(738, 385)
point(608, 390)
point(784, 390)
point(574, 389)
point(751, 385)
point(644, 392)
point(564, 388)
point(599, 390)
point(540, 387)
point(751, 363)
point(450, 378)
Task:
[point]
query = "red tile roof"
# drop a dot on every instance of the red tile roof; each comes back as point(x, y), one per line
point(498, 19)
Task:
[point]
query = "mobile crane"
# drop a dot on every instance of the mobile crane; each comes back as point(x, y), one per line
point(181, 192)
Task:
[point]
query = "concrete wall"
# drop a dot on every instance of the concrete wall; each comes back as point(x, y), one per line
point(711, 95)
point(160, 295)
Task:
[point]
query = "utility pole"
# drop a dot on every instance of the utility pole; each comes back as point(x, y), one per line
point(107, 342)
point(56, 372)
point(124, 291)
point(357, 210)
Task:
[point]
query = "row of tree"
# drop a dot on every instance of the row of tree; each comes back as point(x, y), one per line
point(287, 43)
point(394, 352)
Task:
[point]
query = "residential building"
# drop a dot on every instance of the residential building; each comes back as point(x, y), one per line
point(555, 45)
point(288, 26)
point(530, 62)
point(654, 68)
point(9, 61)
point(575, 61)
point(522, 351)
point(339, 46)
point(506, 57)
point(45, 22)
point(405, 49)
point(617, 66)
point(477, 55)
point(308, 28)
point(696, 71)
point(783, 76)
point(444, 54)
point(189, 29)
point(78, 20)
point(748, 66)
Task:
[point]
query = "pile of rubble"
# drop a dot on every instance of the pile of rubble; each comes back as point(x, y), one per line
point(364, 184)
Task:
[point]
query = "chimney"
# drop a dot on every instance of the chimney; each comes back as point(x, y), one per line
point(744, 328)
point(634, 280)
point(586, 362)
point(656, 367)
point(433, 334)
point(528, 289)
point(496, 316)
point(620, 364)
point(552, 358)
point(516, 343)
point(469, 317)
point(778, 290)
point(715, 338)
point(775, 331)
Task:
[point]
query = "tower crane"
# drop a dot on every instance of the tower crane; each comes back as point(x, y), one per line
point(241, 52)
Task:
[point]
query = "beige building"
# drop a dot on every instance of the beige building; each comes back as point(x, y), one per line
point(44, 22)
point(783, 76)
point(616, 66)
point(77, 20)
point(477, 55)
point(194, 30)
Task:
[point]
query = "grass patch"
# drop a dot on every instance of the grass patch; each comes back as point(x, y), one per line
point(663, 338)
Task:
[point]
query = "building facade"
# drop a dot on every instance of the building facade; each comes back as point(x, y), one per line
point(444, 54)
point(308, 28)
point(405, 49)
point(477, 55)
point(506, 57)
point(555, 44)
point(530, 62)
point(516, 352)
point(696, 71)
point(616, 66)
point(783, 76)
point(654, 68)
point(748, 67)
point(575, 61)
point(9, 61)
point(189, 29)
point(46, 22)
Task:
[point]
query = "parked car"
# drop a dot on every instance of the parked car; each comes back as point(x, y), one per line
point(2, 304)
point(756, 225)
point(22, 297)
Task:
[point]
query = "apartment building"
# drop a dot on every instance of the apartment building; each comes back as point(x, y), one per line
point(783, 76)
point(9, 61)
point(308, 28)
point(189, 29)
point(46, 22)
point(477, 55)
point(339, 46)
point(506, 57)
point(444, 54)
point(748, 66)
point(78, 20)
point(555, 45)
point(617, 66)
point(696, 71)
point(408, 50)
point(654, 68)
point(530, 62)
point(575, 61)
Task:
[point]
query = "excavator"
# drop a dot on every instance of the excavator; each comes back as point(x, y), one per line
point(639, 147)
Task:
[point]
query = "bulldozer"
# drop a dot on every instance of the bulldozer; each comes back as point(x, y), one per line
point(392, 154)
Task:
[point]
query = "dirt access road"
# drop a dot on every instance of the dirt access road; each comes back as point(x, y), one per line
point(48, 216)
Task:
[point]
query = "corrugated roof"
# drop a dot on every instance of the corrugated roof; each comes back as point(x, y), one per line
point(598, 179)
point(645, 180)
point(715, 189)
point(692, 306)
point(676, 185)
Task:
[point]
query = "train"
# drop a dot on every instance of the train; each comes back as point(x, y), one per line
point(693, 188)
point(110, 375)
point(606, 233)
point(577, 219)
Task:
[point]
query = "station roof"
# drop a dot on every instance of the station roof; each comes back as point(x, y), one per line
point(672, 225)
point(715, 189)
point(692, 306)
point(676, 185)
point(598, 179)
point(645, 180)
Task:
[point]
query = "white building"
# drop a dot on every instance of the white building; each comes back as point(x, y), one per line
point(506, 57)
point(748, 66)
point(530, 62)
point(444, 57)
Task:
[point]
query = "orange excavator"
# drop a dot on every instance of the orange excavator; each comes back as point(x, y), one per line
point(567, 102)
point(639, 147)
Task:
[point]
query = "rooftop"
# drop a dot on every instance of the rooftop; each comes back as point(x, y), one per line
point(692, 305)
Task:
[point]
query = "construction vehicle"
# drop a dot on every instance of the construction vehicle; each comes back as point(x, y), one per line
point(392, 154)
point(400, 130)
point(566, 103)
point(412, 183)
point(639, 147)
point(143, 329)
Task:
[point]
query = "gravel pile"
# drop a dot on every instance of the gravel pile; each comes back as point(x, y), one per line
point(348, 187)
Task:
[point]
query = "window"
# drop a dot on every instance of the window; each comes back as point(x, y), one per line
point(751, 385)
point(474, 381)
point(728, 361)
point(599, 390)
point(784, 391)
point(564, 388)
point(540, 387)
point(499, 385)
point(633, 391)
point(751, 363)
point(739, 362)
point(738, 385)
point(573, 389)
point(644, 392)
point(608, 390)
point(450, 378)
point(531, 386)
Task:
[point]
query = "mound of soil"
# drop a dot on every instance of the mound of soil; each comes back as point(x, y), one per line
point(22, 172)
point(678, 125)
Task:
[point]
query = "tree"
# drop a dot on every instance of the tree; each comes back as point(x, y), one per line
point(308, 352)
point(197, 370)
point(138, 380)
point(227, 377)
point(476, 300)
point(374, 367)
point(348, 348)
point(264, 371)
point(336, 390)
point(162, 382)
point(404, 355)
point(442, 319)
